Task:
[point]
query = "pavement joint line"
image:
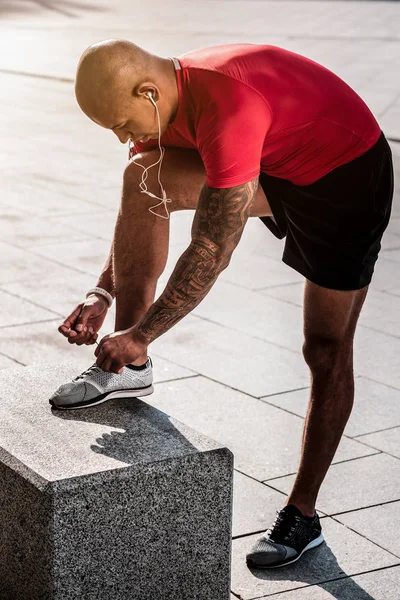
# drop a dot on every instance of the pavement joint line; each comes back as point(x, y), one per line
point(345, 512)
point(319, 583)
point(2, 327)
point(365, 537)
point(377, 431)
point(339, 462)
point(36, 75)
point(381, 383)
point(18, 362)
point(30, 301)
point(46, 258)
point(391, 335)
point(177, 379)
point(297, 352)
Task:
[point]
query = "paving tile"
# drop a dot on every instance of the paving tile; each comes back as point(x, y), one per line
point(19, 265)
point(264, 439)
point(88, 255)
point(31, 198)
point(259, 272)
point(355, 484)
point(393, 255)
point(376, 524)
point(165, 370)
point(234, 358)
point(390, 121)
point(254, 314)
point(377, 354)
point(15, 310)
point(376, 406)
point(335, 558)
point(59, 293)
point(380, 311)
point(377, 585)
point(25, 231)
point(99, 224)
point(387, 441)
point(41, 343)
point(254, 505)
point(292, 293)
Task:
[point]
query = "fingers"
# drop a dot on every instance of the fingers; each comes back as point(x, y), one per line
point(106, 359)
point(66, 327)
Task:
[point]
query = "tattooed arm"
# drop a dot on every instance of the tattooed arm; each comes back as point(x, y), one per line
point(217, 228)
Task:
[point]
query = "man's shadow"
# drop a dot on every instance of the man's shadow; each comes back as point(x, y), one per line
point(148, 435)
point(318, 566)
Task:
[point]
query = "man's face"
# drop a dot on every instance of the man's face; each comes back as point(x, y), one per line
point(135, 119)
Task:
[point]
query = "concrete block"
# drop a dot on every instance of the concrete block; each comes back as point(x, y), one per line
point(116, 502)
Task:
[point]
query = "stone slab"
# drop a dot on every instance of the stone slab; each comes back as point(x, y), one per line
point(387, 441)
point(88, 255)
point(377, 524)
point(377, 355)
point(377, 585)
point(24, 230)
point(376, 406)
point(265, 440)
point(233, 358)
point(120, 500)
point(14, 311)
point(334, 558)
point(251, 313)
point(355, 484)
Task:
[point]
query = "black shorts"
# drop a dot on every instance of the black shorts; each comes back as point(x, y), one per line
point(334, 226)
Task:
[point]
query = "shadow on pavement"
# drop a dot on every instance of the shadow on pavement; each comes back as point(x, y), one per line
point(67, 8)
point(318, 567)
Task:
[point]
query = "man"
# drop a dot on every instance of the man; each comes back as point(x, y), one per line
point(249, 130)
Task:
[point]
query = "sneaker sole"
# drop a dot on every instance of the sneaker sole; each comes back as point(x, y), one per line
point(146, 391)
point(317, 542)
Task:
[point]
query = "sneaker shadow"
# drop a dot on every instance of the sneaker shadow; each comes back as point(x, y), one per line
point(145, 434)
point(318, 567)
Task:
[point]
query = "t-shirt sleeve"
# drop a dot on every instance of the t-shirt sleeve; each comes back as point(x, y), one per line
point(230, 134)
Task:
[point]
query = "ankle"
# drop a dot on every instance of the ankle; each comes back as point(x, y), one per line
point(140, 361)
point(307, 509)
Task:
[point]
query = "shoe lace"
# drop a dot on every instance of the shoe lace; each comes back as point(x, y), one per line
point(283, 526)
point(90, 371)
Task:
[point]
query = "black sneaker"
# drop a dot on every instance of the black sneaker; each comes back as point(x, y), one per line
point(284, 543)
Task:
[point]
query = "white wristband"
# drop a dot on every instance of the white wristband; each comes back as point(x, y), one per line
point(101, 292)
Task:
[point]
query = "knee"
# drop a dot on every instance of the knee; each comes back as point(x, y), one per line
point(134, 169)
point(324, 354)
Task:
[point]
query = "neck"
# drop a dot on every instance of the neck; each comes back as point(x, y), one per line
point(171, 87)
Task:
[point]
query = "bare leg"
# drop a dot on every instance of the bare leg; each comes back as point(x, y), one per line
point(330, 319)
point(140, 245)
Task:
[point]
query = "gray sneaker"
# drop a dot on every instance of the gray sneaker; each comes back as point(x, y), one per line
point(290, 536)
point(95, 386)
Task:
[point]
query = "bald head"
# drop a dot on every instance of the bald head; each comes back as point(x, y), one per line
point(108, 73)
point(112, 84)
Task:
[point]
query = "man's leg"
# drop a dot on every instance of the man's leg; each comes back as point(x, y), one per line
point(330, 319)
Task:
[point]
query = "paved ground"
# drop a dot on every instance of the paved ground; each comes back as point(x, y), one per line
point(233, 369)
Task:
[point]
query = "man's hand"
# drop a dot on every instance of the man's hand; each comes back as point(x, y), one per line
point(83, 324)
point(119, 349)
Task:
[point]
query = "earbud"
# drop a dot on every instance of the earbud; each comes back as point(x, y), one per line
point(150, 95)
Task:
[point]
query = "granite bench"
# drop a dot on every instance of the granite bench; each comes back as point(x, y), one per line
point(117, 501)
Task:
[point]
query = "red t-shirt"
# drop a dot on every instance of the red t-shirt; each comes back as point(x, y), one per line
point(250, 107)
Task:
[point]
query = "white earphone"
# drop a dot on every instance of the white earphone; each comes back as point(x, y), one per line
point(163, 198)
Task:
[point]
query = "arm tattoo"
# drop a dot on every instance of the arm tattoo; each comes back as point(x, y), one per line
point(217, 228)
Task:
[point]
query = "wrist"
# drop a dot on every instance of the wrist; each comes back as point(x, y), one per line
point(140, 338)
point(98, 291)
